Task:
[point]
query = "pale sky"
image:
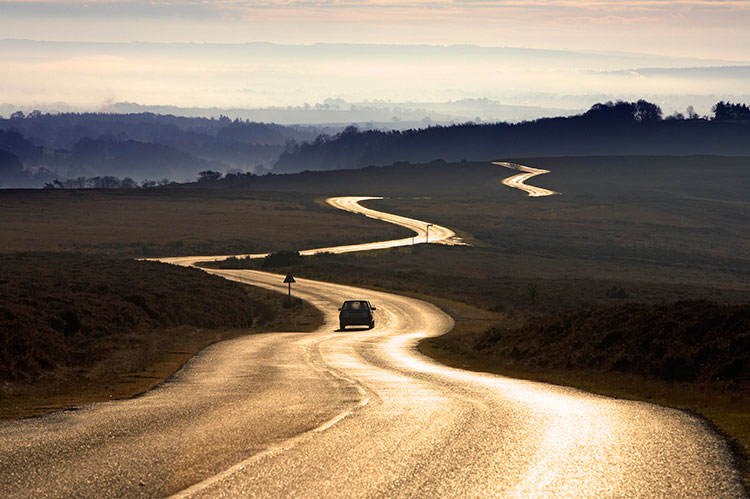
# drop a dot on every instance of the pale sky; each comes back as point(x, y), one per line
point(683, 33)
point(703, 28)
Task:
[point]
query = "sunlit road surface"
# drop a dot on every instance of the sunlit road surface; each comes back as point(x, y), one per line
point(425, 232)
point(517, 181)
point(359, 413)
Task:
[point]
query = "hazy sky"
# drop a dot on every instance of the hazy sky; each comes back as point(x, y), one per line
point(692, 32)
point(704, 28)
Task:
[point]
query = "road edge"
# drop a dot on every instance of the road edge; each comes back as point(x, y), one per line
point(739, 451)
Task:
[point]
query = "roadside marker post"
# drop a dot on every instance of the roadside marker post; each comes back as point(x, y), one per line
point(289, 280)
point(427, 237)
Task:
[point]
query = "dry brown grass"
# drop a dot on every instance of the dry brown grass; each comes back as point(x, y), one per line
point(76, 329)
point(175, 222)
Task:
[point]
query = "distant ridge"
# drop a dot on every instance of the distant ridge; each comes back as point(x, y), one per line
point(606, 129)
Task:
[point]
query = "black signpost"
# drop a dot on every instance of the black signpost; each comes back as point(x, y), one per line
point(289, 280)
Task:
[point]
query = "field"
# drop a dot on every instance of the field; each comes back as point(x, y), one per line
point(659, 228)
point(175, 222)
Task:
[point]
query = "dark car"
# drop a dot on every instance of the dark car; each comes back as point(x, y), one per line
point(356, 313)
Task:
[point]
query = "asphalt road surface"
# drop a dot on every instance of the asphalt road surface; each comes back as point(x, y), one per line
point(360, 413)
point(518, 181)
point(424, 232)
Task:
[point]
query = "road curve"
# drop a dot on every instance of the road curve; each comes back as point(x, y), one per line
point(425, 232)
point(518, 181)
point(360, 413)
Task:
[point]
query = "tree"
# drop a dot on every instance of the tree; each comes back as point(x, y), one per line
point(721, 110)
point(728, 111)
point(110, 182)
point(621, 111)
point(128, 183)
point(611, 112)
point(209, 176)
point(646, 111)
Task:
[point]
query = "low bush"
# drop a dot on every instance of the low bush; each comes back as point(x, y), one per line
point(694, 341)
point(281, 259)
point(69, 312)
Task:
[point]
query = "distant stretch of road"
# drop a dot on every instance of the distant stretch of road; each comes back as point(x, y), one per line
point(425, 232)
point(517, 181)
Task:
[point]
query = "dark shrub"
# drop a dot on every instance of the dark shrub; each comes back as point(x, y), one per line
point(282, 259)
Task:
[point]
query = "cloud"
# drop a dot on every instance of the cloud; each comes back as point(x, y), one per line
point(711, 28)
point(67, 9)
point(220, 75)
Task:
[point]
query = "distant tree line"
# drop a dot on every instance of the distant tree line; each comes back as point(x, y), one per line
point(37, 148)
point(209, 176)
point(110, 182)
point(106, 182)
point(71, 145)
point(610, 128)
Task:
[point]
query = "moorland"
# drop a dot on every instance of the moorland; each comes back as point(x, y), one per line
point(628, 238)
point(175, 222)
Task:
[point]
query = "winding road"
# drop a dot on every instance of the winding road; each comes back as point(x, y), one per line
point(518, 181)
point(360, 413)
point(425, 232)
